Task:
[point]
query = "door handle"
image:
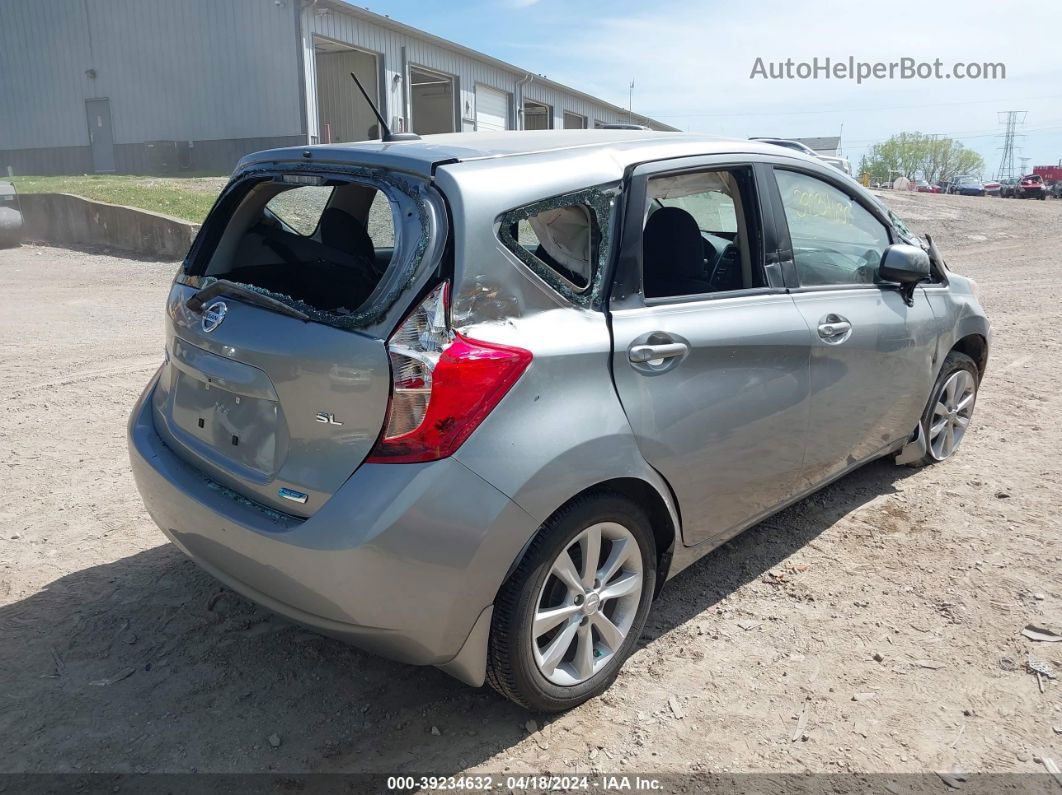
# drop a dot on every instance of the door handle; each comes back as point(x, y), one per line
point(640, 354)
point(834, 328)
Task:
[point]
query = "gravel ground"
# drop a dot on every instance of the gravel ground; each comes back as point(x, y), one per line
point(875, 626)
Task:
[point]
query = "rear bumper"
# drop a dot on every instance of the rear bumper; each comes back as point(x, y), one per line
point(402, 560)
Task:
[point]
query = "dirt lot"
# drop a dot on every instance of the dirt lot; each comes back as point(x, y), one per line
point(886, 610)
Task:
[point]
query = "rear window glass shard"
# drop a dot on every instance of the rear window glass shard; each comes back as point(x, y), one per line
point(564, 240)
point(340, 249)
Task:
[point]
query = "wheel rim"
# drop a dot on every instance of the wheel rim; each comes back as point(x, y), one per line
point(951, 414)
point(587, 604)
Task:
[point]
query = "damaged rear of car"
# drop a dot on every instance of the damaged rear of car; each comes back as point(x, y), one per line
point(305, 335)
point(283, 308)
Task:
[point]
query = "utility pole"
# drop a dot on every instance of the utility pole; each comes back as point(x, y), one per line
point(936, 159)
point(1011, 121)
point(630, 101)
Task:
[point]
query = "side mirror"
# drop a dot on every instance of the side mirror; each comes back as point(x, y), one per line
point(904, 264)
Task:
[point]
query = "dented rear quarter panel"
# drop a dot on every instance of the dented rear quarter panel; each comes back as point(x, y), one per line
point(561, 429)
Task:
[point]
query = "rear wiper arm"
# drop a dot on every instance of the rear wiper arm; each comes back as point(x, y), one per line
point(225, 287)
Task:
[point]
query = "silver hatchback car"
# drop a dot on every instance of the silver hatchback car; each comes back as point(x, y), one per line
point(468, 401)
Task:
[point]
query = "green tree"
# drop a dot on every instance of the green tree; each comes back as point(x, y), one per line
point(917, 155)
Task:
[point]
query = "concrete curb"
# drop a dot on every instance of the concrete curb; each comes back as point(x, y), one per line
point(63, 219)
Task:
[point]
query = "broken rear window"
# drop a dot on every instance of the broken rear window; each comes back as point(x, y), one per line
point(324, 244)
point(561, 238)
point(300, 209)
point(564, 240)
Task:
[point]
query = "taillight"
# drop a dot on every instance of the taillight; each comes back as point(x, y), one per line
point(442, 384)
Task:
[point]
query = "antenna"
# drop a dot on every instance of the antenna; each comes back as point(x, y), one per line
point(388, 135)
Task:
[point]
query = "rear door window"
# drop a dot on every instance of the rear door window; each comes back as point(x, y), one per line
point(701, 235)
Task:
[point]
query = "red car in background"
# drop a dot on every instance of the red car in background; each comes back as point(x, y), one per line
point(992, 188)
point(924, 187)
point(1032, 187)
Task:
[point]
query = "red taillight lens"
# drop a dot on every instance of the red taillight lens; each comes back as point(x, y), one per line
point(443, 385)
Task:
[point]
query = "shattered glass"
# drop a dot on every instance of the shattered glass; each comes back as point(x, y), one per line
point(412, 226)
point(600, 200)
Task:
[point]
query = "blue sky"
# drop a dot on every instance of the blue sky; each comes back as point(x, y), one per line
point(690, 61)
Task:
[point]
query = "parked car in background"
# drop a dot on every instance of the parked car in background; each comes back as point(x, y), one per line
point(1056, 190)
point(10, 216)
point(992, 188)
point(924, 187)
point(842, 164)
point(967, 185)
point(474, 406)
point(796, 146)
point(1032, 187)
point(1008, 187)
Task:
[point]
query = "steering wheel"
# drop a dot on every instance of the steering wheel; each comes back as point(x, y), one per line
point(720, 274)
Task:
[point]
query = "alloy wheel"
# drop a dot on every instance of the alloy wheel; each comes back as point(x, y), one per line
point(951, 414)
point(587, 604)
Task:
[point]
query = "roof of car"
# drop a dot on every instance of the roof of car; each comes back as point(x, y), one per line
point(420, 156)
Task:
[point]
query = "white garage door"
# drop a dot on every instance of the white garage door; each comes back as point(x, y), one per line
point(492, 109)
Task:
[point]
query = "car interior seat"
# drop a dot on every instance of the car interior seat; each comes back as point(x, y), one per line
point(673, 255)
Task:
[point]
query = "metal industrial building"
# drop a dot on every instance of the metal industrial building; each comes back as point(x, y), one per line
point(163, 86)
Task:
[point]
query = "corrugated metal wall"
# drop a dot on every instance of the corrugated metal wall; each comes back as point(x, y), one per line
point(388, 44)
point(232, 76)
point(173, 69)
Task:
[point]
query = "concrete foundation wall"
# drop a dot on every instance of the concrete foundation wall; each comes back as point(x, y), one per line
point(215, 157)
point(70, 220)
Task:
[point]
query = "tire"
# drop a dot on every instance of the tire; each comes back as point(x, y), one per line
point(954, 364)
point(519, 665)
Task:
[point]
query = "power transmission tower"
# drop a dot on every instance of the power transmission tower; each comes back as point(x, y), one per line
point(1011, 121)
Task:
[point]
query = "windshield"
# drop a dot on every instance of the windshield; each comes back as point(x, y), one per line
point(898, 222)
